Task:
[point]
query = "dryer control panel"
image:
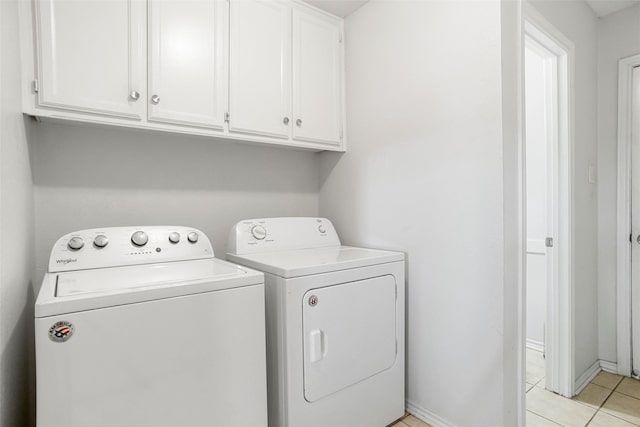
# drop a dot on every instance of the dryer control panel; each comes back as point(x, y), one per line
point(120, 246)
point(281, 234)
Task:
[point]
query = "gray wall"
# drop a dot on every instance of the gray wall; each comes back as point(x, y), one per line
point(619, 37)
point(424, 174)
point(88, 177)
point(16, 235)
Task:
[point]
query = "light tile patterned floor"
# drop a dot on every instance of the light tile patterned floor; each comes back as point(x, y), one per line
point(409, 421)
point(608, 401)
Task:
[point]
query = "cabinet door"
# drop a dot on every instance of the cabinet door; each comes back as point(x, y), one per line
point(91, 56)
point(317, 78)
point(260, 59)
point(187, 78)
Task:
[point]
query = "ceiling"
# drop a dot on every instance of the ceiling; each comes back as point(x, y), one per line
point(605, 7)
point(343, 8)
point(338, 7)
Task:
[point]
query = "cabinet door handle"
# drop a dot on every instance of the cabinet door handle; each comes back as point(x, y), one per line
point(299, 122)
point(134, 95)
point(155, 99)
point(285, 120)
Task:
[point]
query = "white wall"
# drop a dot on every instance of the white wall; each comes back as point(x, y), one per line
point(16, 236)
point(94, 177)
point(619, 37)
point(536, 181)
point(578, 23)
point(424, 174)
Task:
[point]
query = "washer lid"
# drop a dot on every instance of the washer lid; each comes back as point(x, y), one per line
point(304, 262)
point(106, 287)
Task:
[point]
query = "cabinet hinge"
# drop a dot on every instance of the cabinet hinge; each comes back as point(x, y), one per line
point(35, 86)
point(226, 116)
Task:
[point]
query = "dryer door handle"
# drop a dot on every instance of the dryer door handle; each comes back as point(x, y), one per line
point(317, 345)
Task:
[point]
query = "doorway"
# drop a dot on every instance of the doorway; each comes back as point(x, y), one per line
point(628, 221)
point(628, 228)
point(549, 279)
point(635, 222)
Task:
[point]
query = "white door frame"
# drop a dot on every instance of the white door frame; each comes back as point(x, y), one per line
point(625, 100)
point(560, 342)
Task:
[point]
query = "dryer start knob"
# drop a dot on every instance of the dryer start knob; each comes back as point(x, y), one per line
point(192, 237)
point(174, 237)
point(75, 243)
point(258, 232)
point(139, 238)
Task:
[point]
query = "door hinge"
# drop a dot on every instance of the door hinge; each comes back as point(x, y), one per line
point(35, 86)
point(226, 116)
point(548, 242)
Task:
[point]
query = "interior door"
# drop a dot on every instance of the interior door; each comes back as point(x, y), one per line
point(260, 63)
point(187, 62)
point(349, 334)
point(91, 56)
point(539, 185)
point(317, 79)
point(635, 222)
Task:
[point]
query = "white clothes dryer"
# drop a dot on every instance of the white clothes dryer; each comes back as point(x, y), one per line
point(142, 326)
point(335, 323)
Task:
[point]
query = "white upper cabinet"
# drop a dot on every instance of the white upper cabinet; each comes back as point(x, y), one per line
point(91, 56)
point(268, 71)
point(317, 77)
point(260, 68)
point(187, 62)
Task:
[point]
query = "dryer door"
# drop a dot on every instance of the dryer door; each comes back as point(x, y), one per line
point(349, 334)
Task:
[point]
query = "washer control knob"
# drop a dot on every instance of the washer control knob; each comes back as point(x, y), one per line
point(321, 229)
point(174, 237)
point(75, 243)
point(100, 241)
point(139, 238)
point(258, 232)
point(192, 237)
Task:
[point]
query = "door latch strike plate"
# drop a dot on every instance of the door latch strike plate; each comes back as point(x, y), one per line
point(548, 242)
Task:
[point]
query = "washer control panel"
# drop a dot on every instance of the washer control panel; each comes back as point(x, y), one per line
point(120, 246)
point(279, 234)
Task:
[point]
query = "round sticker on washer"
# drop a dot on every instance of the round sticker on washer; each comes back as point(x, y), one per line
point(61, 331)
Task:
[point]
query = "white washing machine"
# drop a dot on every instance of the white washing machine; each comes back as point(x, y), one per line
point(142, 326)
point(335, 323)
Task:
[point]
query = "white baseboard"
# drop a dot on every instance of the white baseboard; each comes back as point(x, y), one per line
point(586, 378)
point(610, 367)
point(427, 416)
point(535, 345)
